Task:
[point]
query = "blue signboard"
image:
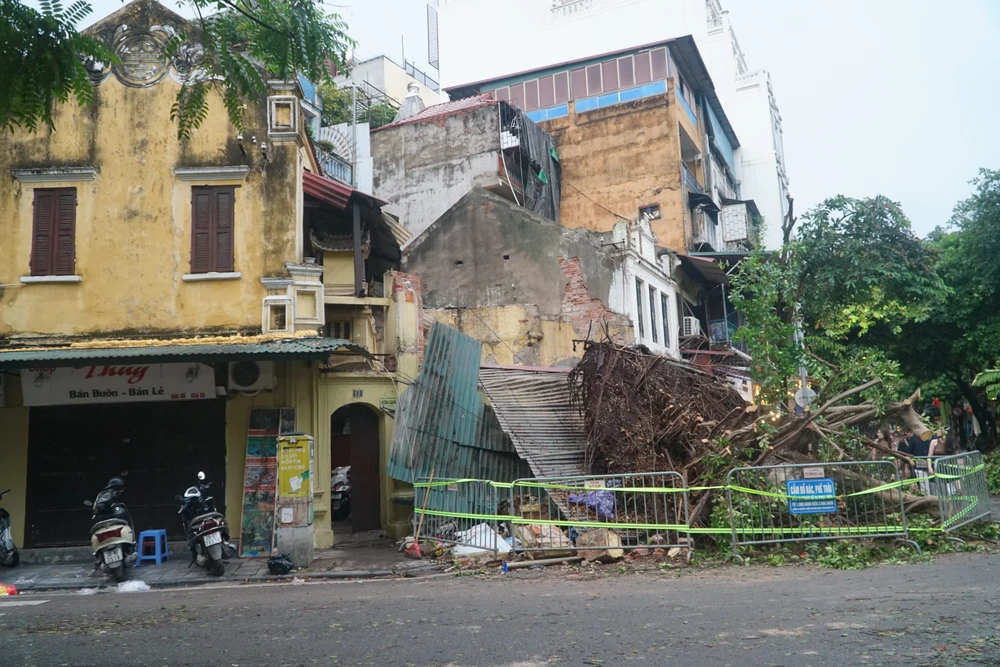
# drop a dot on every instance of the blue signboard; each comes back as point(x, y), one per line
point(811, 496)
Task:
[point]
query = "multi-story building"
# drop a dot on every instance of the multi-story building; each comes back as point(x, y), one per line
point(559, 31)
point(640, 133)
point(157, 293)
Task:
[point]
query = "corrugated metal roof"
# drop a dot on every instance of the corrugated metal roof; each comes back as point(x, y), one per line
point(333, 192)
point(463, 105)
point(443, 424)
point(287, 349)
point(534, 408)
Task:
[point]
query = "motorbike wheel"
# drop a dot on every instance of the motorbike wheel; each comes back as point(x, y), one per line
point(118, 573)
point(216, 566)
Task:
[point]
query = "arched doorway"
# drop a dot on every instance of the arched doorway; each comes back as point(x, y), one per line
point(354, 442)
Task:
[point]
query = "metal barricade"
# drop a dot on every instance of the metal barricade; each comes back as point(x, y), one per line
point(959, 482)
point(829, 501)
point(636, 511)
point(465, 512)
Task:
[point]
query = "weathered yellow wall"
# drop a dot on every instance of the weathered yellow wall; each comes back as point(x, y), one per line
point(517, 336)
point(623, 157)
point(133, 227)
point(14, 458)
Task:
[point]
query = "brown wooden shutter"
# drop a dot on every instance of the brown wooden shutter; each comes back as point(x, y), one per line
point(53, 244)
point(224, 260)
point(65, 232)
point(201, 229)
point(42, 241)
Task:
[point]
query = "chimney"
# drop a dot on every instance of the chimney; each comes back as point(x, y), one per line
point(412, 104)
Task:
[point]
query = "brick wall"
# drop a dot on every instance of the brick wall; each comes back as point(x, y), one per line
point(586, 313)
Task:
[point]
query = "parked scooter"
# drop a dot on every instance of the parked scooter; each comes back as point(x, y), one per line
point(8, 552)
point(112, 539)
point(205, 528)
point(340, 493)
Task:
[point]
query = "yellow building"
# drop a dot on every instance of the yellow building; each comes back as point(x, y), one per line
point(156, 291)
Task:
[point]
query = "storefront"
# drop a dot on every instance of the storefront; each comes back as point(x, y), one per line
point(71, 419)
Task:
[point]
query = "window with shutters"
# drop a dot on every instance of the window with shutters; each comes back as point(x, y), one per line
point(53, 244)
point(212, 218)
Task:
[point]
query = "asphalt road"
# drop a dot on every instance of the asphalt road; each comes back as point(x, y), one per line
point(940, 614)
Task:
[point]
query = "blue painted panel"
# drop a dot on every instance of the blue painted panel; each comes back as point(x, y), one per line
point(607, 100)
point(559, 111)
point(537, 116)
point(586, 104)
point(632, 94)
point(721, 140)
point(655, 88)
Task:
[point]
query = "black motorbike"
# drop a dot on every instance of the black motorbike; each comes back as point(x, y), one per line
point(112, 538)
point(340, 493)
point(205, 528)
point(8, 552)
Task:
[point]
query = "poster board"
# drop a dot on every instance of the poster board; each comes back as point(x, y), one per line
point(260, 479)
point(295, 483)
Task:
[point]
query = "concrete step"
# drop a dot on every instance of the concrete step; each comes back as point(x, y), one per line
point(82, 555)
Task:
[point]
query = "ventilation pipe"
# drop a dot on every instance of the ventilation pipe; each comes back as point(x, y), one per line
point(412, 105)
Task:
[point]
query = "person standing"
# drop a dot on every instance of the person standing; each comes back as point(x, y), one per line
point(919, 449)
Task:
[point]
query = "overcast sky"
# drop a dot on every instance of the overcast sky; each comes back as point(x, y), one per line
point(892, 97)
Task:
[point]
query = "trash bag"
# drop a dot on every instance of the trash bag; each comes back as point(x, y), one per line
point(603, 502)
point(280, 564)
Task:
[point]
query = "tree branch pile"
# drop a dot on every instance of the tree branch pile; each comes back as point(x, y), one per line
point(648, 413)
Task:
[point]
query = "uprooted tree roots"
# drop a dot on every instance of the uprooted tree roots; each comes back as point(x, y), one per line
point(648, 413)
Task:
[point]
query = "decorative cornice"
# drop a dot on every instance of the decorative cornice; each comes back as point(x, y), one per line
point(228, 173)
point(55, 174)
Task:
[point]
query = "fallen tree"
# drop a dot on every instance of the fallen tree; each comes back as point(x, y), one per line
point(648, 413)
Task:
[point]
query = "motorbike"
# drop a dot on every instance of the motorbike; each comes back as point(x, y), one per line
point(8, 552)
point(340, 493)
point(112, 538)
point(205, 528)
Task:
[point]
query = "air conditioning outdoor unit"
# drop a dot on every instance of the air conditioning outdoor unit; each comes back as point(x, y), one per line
point(251, 375)
point(691, 327)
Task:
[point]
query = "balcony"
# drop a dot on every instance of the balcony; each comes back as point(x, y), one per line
point(334, 167)
point(704, 229)
point(689, 180)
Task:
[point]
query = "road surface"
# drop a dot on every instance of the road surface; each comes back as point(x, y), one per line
point(940, 614)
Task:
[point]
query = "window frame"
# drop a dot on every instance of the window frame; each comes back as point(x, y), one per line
point(53, 234)
point(639, 306)
point(213, 265)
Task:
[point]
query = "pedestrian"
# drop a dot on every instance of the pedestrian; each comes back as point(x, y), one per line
point(884, 438)
point(919, 450)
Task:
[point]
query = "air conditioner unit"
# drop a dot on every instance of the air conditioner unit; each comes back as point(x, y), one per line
point(251, 375)
point(691, 327)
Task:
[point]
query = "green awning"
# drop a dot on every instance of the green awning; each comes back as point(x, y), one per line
point(289, 349)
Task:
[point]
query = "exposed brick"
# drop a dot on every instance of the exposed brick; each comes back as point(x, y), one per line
point(584, 311)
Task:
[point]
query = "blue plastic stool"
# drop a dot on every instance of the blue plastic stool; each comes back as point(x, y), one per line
point(159, 554)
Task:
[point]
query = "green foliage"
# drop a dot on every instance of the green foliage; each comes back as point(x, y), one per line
point(337, 108)
point(856, 270)
point(244, 43)
point(41, 61)
point(989, 380)
point(993, 472)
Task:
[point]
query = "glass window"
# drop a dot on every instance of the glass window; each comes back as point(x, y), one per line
point(638, 307)
point(652, 314)
point(665, 309)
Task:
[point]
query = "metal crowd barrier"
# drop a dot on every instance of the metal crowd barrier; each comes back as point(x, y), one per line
point(959, 482)
point(463, 512)
point(801, 503)
point(639, 511)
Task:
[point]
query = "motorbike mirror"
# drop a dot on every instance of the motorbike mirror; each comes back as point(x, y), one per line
point(201, 476)
point(88, 503)
point(179, 499)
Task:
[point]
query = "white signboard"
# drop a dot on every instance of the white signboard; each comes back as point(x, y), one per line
point(117, 384)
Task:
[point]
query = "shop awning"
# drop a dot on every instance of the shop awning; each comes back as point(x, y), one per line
point(289, 349)
point(705, 269)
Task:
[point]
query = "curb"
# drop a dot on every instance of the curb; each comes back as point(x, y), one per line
point(275, 578)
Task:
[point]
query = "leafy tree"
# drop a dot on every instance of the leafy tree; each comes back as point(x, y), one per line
point(823, 301)
point(244, 43)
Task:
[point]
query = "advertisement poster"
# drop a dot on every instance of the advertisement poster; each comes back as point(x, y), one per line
point(260, 481)
point(293, 468)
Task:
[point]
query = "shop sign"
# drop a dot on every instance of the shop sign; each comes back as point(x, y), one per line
point(388, 403)
point(117, 383)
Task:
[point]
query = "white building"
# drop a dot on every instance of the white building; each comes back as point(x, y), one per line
point(549, 32)
point(382, 76)
point(643, 287)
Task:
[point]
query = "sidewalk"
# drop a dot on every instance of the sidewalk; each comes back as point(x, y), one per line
point(375, 560)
